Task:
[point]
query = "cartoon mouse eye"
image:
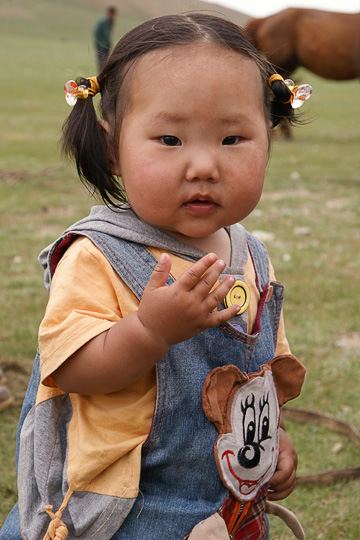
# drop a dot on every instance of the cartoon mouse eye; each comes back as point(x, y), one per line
point(249, 424)
point(264, 419)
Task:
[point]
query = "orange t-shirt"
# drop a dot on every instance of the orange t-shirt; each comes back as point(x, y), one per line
point(86, 298)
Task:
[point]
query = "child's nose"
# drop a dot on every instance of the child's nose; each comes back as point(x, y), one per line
point(202, 166)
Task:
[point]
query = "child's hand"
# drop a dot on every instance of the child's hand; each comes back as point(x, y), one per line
point(283, 481)
point(178, 312)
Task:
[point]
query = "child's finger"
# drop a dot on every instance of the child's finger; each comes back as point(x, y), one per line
point(161, 272)
point(219, 317)
point(218, 294)
point(199, 273)
point(280, 487)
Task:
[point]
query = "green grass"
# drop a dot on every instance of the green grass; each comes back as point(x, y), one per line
point(310, 205)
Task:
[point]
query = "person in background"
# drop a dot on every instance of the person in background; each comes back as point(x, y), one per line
point(102, 33)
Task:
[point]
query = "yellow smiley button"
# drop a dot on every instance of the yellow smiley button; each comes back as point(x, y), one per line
point(238, 294)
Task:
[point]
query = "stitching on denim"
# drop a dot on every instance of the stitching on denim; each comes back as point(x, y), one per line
point(116, 258)
point(64, 398)
point(142, 257)
point(132, 246)
point(247, 341)
point(260, 258)
point(109, 516)
point(152, 438)
point(153, 420)
point(249, 357)
point(238, 337)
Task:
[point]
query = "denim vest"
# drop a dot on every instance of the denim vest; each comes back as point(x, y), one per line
point(180, 484)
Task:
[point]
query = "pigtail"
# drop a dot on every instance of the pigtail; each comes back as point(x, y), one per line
point(281, 110)
point(84, 141)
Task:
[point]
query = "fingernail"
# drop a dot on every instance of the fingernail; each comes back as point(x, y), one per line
point(162, 258)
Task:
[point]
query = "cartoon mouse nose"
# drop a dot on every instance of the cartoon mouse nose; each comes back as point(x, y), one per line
point(249, 456)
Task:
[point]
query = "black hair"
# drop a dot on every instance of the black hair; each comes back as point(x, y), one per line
point(95, 150)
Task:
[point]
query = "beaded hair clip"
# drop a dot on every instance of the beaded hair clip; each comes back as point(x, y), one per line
point(299, 94)
point(73, 92)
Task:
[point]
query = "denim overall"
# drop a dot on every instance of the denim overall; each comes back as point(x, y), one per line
point(180, 484)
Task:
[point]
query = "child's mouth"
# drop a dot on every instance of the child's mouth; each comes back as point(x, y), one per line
point(200, 206)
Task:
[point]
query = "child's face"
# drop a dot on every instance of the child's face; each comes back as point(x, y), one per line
point(194, 139)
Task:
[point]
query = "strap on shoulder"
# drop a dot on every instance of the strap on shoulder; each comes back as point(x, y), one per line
point(133, 262)
point(260, 259)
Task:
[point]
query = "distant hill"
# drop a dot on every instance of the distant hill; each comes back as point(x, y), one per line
point(74, 19)
point(154, 8)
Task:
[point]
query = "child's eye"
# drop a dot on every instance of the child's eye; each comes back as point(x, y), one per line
point(231, 140)
point(169, 140)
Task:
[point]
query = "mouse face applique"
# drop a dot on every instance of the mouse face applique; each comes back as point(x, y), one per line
point(248, 456)
point(245, 408)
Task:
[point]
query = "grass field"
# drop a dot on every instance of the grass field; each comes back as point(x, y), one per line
point(309, 214)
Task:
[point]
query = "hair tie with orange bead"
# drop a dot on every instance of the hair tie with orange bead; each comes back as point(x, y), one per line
point(299, 94)
point(73, 92)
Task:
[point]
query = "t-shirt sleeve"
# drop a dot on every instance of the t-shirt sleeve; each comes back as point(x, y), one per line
point(85, 299)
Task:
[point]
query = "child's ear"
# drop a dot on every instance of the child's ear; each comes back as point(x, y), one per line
point(106, 132)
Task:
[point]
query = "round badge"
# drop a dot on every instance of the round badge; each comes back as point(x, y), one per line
point(238, 294)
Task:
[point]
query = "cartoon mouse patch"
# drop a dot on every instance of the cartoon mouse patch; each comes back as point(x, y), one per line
point(245, 409)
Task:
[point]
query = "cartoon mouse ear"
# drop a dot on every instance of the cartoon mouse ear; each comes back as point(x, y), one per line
point(289, 375)
point(219, 386)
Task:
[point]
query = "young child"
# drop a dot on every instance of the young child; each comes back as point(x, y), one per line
point(162, 307)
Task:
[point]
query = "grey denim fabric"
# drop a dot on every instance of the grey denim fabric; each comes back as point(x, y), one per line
point(42, 479)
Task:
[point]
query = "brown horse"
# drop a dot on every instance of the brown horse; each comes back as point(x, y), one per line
point(325, 43)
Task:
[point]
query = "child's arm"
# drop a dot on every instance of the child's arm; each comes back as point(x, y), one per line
point(118, 357)
point(283, 481)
